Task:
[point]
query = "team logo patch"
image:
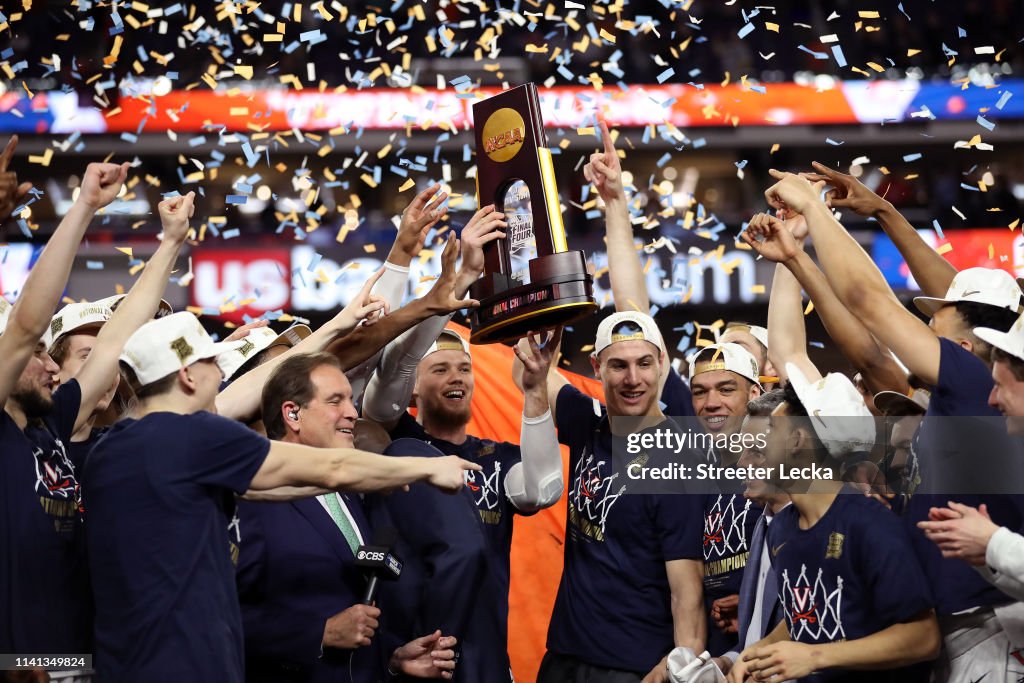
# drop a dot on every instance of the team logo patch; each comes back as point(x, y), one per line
point(835, 546)
point(593, 495)
point(486, 487)
point(813, 611)
point(246, 348)
point(56, 325)
point(181, 348)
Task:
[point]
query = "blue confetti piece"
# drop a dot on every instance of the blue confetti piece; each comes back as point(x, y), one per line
point(970, 187)
point(837, 52)
point(236, 199)
point(948, 52)
point(94, 265)
point(912, 157)
point(314, 262)
point(664, 159)
point(817, 55)
point(900, 8)
point(985, 123)
point(745, 30)
point(1004, 99)
point(833, 142)
point(228, 234)
point(565, 73)
point(759, 89)
point(130, 137)
point(938, 228)
point(960, 32)
point(816, 344)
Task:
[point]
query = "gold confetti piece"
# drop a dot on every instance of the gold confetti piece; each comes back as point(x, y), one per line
point(862, 72)
point(775, 148)
point(370, 248)
point(912, 52)
point(883, 170)
point(136, 268)
point(1014, 224)
point(991, 251)
point(194, 310)
point(982, 186)
point(945, 248)
point(876, 67)
point(537, 48)
point(127, 251)
point(409, 182)
point(757, 289)
point(274, 37)
point(243, 70)
point(912, 176)
point(810, 307)
point(867, 14)
point(43, 160)
point(607, 36)
point(239, 111)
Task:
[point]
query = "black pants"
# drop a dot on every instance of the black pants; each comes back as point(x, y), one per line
point(555, 668)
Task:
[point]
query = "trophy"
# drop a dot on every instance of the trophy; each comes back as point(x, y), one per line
point(531, 281)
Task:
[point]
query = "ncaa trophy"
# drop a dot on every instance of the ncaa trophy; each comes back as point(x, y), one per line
point(531, 280)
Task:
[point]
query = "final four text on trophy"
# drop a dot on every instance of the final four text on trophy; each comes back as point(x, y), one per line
point(531, 280)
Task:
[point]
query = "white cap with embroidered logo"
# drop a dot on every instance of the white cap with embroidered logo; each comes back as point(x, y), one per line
point(643, 328)
point(74, 317)
point(256, 341)
point(112, 302)
point(728, 356)
point(5, 313)
point(1011, 341)
point(449, 340)
point(165, 345)
point(976, 285)
point(837, 412)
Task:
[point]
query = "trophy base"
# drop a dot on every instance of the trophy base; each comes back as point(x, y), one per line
point(510, 314)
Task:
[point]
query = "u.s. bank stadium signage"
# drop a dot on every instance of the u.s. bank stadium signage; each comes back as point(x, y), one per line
point(304, 280)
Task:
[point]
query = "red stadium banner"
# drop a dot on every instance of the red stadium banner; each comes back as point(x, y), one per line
point(232, 283)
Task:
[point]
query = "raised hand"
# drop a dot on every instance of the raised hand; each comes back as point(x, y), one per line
point(431, 656)
point(792, 192)
point(847, 192)
point(175, 213)
point(243, 331)
point(101, 184)
point(604, 169)
point(769, 237)
point(484, 227)
point(537, 359)
point(11, 192)
point(441, 298)
point(365, 307)
point(422, 213)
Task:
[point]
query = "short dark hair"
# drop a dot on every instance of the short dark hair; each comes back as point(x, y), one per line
point(983, 315)
point(59, 350)
point(1015, 364)
point(291, 381)
point(763, 405)
point(161, 386)
point(798, 412)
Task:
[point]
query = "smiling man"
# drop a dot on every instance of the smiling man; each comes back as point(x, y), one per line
point(723, 377)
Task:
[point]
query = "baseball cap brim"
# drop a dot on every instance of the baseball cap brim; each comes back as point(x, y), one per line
point(929, 304)
point(1004, 341)
point(895, 403)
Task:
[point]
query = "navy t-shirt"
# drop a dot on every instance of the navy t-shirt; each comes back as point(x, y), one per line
point(487, 488)
point(850, 575)
point(729, 521)
point(45, 601)
point(160, 492)
point(676, 398)
point(962, 391)
point(614, 603)
point(77, 450)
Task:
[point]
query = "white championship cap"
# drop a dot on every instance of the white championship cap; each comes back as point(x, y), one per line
point(627, 326)
point(837, 412)
point(1011, 342)
point(74, 317)
point(977, 285)
point(257, 340)
point(165, 345)
point(756, 331)
point(5, 313)
point(112, 302)
point(897, 404)
point(728, 356)
point(449, 340)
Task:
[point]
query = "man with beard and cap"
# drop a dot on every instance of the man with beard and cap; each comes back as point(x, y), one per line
point(723, 379)
point(947, 355)
point(299, 585)
point(161, 491)
point(44, 593)
point(853, 595)
point(631, 587)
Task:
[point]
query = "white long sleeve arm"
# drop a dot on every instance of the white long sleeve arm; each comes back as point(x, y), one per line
point(1004, 560)
point(536, 481)
point(390, 287)
point(389, 390)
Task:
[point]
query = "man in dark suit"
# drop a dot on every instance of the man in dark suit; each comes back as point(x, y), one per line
point(298, 584)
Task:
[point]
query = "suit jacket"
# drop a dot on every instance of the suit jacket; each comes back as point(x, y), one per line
point(771, 611)
point(295, 571)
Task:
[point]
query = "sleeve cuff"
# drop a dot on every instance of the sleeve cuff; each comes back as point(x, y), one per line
point(395, 268)
point(540, 419)
point(999, 546)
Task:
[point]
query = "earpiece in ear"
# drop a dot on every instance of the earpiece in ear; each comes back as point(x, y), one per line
point(294, 415)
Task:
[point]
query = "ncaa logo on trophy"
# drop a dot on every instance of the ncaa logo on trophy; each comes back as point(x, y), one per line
point(531, 280)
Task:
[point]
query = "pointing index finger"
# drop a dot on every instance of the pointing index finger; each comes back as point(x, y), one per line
point(606, 138)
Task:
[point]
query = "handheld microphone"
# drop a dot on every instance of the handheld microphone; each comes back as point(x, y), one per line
point(379, 561)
